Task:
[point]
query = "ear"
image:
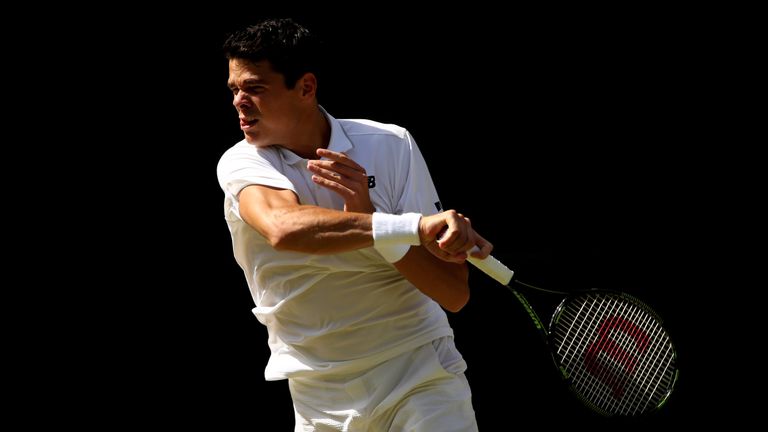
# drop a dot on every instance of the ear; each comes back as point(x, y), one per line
point(308, 85)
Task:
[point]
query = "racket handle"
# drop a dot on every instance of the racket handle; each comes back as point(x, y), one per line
point(491, 266)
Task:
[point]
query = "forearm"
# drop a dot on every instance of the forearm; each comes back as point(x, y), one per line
point(288, 225)
point(315, 230)
point(444, 282)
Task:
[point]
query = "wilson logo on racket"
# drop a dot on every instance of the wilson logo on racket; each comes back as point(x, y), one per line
point(604, 371)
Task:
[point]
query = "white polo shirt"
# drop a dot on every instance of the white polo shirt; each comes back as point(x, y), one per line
point(345, 312)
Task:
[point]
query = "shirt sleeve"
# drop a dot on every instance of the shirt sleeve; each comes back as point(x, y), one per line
point(242, 166)
point(419, 193)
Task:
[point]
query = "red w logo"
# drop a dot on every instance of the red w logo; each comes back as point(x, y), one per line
point(605, 371)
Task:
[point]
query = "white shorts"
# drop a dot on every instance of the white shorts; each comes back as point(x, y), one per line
point(423, 390)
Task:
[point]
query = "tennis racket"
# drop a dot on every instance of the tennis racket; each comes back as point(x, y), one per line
point(609, 346)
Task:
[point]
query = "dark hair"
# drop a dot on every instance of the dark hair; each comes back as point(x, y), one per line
point(289, 47)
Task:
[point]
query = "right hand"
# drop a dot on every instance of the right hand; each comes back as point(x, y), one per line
point(449, 235)
point(344, 176)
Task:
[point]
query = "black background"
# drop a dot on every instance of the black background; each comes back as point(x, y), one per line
point(571, 137)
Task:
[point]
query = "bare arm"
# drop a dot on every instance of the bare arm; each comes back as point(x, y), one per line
point(445, 282)
point(437, 270)
point(288, 225)
point(431, 267)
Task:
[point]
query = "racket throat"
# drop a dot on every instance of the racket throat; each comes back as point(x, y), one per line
point(531, 313)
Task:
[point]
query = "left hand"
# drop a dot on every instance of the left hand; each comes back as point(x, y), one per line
point(449, 236)
point(344, 176)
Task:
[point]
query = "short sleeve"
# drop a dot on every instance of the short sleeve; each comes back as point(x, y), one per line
point(244, 165)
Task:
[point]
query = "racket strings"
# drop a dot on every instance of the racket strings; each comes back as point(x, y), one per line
point(617, 356)
point(603, 373)
point(614, 379)
point(619, 344)
point(654, 369)
point(637, 395)
point(650, 371)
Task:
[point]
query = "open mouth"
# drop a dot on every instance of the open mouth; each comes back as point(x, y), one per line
point(246, 124)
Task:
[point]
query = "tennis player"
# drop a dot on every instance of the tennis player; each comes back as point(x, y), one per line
point(348, 255)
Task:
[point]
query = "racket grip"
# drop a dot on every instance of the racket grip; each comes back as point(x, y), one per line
point(491, 266)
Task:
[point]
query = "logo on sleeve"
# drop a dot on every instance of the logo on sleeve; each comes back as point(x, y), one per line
point(371, 182)
point(438, 206)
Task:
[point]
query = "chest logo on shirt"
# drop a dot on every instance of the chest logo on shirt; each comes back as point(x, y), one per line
point(371, 182)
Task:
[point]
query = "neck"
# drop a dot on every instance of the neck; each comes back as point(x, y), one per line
point(314, 132)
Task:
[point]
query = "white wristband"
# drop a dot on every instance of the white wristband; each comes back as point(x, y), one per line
point(389, 229)
point(393, 234)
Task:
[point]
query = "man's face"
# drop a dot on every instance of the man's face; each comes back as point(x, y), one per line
point(266, 107)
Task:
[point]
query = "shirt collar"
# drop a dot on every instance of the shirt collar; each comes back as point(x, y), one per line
point(339, 141)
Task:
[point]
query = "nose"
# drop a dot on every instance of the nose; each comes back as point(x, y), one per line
point(240, 100)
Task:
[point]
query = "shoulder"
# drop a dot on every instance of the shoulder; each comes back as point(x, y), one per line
point(369, 128)
point(243, 154)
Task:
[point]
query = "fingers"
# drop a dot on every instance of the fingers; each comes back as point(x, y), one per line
point(339, 168)
point(332, 179)
point(453, 237)
point(336, 171)
point(435, 250)
point(459, 235)
point(340, 162)
point(341, 173)
point(484, 245)
point(335, 183)
point(344, 176)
